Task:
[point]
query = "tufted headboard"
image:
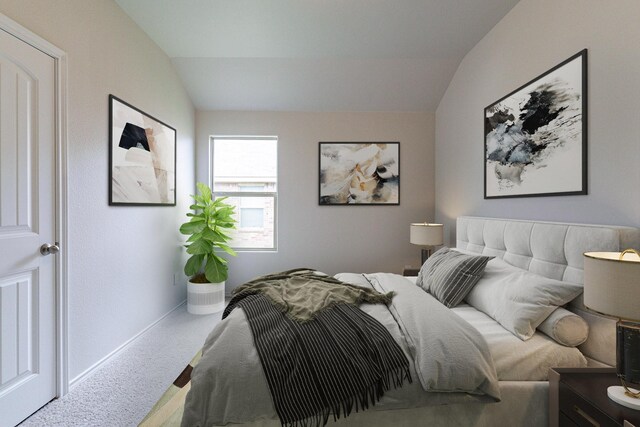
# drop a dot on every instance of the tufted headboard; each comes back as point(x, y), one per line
point(552, 250)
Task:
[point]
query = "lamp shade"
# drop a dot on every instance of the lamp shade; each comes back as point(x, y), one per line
point(426, 234)
point(612, 283)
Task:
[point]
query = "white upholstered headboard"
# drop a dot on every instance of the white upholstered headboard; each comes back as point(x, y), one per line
point(552, 250)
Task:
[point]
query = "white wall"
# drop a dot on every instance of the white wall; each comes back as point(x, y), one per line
point(121, 259)
point(533, 37)
point(332, 238)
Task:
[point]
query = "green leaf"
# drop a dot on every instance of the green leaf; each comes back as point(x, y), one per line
point(204, 190)
point(215, 271)
point(226, 248)
point(194, 237)
point(196, 207)
point(192, 267)
point(220, 259)
point(220, 200)
point(211, 235)
point(222, 237)
point(223, 214)
point(192, 226)
point(200, 246)
point(226, 224)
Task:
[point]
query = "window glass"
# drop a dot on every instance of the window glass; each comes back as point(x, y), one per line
point(251, 218)
point(244, 162)
point(245, 171)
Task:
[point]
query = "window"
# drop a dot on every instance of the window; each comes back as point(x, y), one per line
point(245, 169)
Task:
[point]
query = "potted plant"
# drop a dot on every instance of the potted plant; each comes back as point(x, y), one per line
point(207, 230)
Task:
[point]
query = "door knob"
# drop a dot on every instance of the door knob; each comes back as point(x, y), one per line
point(48, 249)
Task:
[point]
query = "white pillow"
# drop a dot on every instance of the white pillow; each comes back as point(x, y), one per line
point(518, 299)
point(565, 328)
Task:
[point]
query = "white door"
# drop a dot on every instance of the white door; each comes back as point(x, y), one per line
point(27, 221)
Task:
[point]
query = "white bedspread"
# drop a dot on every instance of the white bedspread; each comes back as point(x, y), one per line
point(517, 360)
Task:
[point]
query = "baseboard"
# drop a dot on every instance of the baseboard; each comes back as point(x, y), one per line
point(87, 372)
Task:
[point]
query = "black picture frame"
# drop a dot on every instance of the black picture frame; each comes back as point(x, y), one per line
point(529, 132)
point(374, 168)
point(142, 157)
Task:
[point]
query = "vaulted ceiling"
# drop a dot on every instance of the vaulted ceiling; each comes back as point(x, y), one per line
point(316, 55)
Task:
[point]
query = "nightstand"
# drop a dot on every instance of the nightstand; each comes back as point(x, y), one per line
point(410, 271)
point(578, 397)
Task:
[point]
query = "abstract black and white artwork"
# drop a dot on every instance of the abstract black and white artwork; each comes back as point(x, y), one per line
point(142, 154)
point(536, 136)
point(361, 173)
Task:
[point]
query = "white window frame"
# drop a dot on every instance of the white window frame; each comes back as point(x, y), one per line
point(264, 194)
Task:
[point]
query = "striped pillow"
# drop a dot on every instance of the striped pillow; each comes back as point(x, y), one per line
point(449, 275)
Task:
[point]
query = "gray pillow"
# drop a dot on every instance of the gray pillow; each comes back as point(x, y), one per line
point(436, 258)
point(449, 275)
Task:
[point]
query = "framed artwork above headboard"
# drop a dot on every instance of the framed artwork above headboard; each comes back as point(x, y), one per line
point(535, 138)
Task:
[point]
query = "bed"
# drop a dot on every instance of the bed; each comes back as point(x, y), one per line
point(551, 250)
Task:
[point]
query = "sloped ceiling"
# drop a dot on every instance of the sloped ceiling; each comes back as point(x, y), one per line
point(316, 55)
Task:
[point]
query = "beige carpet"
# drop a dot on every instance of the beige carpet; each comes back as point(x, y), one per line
point(123, 390)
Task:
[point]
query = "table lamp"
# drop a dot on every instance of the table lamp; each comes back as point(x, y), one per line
point(428, 235)
point(612, 287)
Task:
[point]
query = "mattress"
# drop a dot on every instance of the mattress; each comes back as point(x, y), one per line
point(517, 360)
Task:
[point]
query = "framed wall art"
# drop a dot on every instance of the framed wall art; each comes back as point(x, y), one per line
point(142, 157)
point(359, 173)
point(535, 138)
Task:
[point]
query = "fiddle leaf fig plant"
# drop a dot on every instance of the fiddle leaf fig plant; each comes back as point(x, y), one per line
point(207, 230)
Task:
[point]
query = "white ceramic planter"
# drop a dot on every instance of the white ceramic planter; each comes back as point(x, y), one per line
point(205, 298)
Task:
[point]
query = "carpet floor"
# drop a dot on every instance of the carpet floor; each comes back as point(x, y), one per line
point(123, 390)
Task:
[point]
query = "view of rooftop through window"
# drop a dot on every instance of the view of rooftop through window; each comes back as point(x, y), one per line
point(245, 169)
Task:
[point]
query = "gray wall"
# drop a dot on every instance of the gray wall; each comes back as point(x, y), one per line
point(332, 238)
point(121, 259)
point(534, 36)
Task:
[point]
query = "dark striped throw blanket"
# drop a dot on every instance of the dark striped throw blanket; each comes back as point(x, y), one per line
point(322, 355)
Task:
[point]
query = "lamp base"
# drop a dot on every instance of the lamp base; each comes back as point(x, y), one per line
point(426, 253)
point(619, 395)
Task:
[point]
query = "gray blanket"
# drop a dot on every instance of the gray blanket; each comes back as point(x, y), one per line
point(448, 356)
point(340, 361)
